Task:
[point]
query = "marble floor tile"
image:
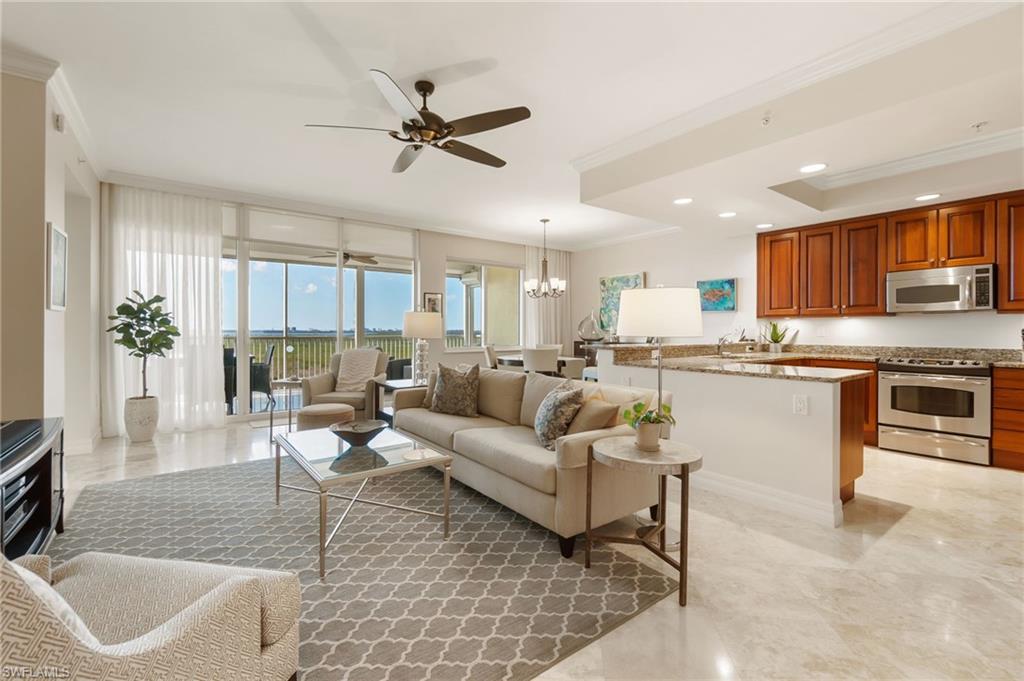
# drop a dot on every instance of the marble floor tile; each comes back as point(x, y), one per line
point(924, 580)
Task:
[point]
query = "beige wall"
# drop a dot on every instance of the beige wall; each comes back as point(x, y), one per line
point(23, 246)
point(434, 250)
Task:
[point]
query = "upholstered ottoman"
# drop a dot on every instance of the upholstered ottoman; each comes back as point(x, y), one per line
point(322, 415)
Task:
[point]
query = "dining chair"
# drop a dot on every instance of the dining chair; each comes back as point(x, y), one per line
point(540, 360)
point(490, 357)
point(549, 346)
point(572, 367)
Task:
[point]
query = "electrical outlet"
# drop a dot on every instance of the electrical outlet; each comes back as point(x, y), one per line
point(800, 405)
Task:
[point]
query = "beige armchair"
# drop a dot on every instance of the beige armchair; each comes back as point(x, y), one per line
point(105, 616)
point(320, 389)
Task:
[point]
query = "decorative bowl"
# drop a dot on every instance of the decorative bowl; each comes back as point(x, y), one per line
point(358, 433)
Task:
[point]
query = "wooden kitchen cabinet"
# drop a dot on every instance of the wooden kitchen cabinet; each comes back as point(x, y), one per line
point(871, 398)
point(862, 267)
point(819, 271)
point(779, 272)
point(967, 234)
point(912, 242)
point(1008, 418)
point(1010, 254)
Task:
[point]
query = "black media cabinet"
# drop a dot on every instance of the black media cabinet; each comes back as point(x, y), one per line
point(31, 484)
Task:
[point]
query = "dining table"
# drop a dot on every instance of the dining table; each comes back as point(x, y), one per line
point(517, 360)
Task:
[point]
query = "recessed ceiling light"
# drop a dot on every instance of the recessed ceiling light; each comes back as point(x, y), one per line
point(727, 214)
point(927, 197)
point(765, 225)
point(813, 167)
point(683, 201)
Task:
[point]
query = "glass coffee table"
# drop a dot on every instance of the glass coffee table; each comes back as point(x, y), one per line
point(330, 462)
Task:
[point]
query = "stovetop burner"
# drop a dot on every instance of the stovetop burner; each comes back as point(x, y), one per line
point(930, 365)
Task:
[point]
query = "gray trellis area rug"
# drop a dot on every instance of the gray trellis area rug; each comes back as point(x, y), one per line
point(399, 603)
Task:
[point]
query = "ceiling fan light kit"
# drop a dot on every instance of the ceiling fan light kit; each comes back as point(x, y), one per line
point(545, 287)
point(424, 128)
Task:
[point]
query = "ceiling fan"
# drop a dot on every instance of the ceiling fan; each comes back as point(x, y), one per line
point(361, 259)
point(424, 128)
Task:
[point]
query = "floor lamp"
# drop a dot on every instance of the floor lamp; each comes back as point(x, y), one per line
point(661, 313)
point(422, 326)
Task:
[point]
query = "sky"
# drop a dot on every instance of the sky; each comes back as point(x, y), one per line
point(312, 296)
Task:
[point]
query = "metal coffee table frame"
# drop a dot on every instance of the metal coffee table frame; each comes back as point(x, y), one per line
point(429, 459)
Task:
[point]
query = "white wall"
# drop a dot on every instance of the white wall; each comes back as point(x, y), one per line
point(71, 337)
point(681, 258)
point(434, 250)
point(674, 259)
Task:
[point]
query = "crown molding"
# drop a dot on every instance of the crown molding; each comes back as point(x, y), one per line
point(17, 63)
point(1007, 140)
point(66, 102)
point(930, 24)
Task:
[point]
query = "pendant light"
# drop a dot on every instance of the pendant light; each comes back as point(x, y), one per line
point(545, 287)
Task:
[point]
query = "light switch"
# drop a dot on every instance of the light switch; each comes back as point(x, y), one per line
point(800, 405)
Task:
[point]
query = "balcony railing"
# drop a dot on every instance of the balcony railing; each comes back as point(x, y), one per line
point(311, 355)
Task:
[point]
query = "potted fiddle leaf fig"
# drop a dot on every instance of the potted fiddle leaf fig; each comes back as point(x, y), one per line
point(146, 330)
point(648, 423)
point(774, 335)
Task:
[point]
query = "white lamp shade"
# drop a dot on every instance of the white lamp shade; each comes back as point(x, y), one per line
point(422, 325)
point(660, 312)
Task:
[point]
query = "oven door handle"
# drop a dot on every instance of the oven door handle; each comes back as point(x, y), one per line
point(936, 437)
point(923, 377)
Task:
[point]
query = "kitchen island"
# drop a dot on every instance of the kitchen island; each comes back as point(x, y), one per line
point(786, 437)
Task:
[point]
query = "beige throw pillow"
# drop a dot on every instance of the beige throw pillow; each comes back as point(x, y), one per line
point(357, 367)
point(595, 414)
point(555, 413)
point(456, 392)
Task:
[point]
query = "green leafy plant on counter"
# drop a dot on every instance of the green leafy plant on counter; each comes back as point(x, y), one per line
point(638, 414)
point(144, 328)
point(773, 333)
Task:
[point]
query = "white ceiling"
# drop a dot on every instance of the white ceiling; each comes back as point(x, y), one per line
point(217, 94)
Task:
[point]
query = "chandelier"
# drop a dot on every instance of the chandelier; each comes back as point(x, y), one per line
point(545, 287)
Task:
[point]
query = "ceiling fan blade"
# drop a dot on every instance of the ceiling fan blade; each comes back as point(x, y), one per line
point(470, 153)
point(405, 159)
point(471, 125)
point(346, 127)
point(365, 259)
point(395, 97)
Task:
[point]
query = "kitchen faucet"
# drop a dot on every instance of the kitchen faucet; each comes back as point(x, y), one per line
point(722, 340)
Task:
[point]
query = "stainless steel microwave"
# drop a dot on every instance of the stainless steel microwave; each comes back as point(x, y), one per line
point(945, 289)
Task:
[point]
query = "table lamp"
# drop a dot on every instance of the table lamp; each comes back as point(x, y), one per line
point(661, 313)
point(422, 326)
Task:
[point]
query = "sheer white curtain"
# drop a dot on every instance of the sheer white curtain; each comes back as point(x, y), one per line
point(169, 245)
point(547, 319)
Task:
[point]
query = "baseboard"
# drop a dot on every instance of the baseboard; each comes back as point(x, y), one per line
point(830, 515)
point(83, 445)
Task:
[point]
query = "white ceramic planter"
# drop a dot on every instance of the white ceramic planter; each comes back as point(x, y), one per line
point(647, 437)
point(140, 417)
point(775, 348)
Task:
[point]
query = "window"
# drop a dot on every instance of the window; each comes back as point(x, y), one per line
point(387, 296)
point(483, 305)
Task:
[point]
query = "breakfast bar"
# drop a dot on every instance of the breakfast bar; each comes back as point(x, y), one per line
point(786, 437)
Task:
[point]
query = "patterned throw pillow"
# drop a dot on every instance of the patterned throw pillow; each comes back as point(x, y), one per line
point(456, 392)
point(555, 413)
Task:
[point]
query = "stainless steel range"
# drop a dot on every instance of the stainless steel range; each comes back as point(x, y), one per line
point(937, 407)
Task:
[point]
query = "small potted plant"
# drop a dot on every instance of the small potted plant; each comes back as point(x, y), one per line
point(648, 424)
point(147, 331)
point(774, 335)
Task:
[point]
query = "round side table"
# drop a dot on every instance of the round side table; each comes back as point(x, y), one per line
point(673, 459)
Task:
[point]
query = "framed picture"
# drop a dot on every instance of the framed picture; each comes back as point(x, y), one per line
point(611, 287)
point(57, 268)
point(433, 302)
point(717, 295)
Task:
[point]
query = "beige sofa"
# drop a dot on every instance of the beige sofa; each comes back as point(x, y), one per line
point(497, 452)
point(320, 389)
point(106, 616)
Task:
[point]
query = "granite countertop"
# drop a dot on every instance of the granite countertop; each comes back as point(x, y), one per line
point(1008, 365)
point(754, 365)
